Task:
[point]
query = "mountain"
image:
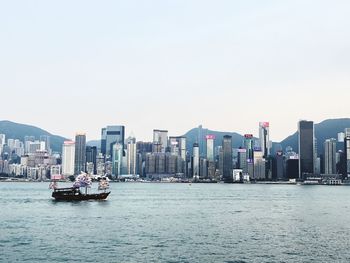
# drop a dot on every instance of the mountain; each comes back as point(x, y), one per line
point(193, 135)
point(96, 143)
point(14, 130)
point(324, 130)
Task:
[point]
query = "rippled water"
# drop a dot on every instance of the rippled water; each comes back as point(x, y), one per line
point(177, 223)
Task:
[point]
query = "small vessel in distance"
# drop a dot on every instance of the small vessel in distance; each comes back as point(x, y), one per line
point(75, 194)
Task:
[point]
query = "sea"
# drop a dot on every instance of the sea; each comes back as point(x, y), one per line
point(173, 222)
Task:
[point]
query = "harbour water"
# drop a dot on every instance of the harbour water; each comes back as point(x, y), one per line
point(150, 222)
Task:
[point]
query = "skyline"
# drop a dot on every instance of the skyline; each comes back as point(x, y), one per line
point(226, 66)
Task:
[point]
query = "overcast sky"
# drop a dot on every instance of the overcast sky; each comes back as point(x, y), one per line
point(69, 66)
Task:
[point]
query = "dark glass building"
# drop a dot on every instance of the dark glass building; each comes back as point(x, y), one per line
point(306, 148)
point(112, 135)
point(80, 153)
point(227, 159)
point(91, 156)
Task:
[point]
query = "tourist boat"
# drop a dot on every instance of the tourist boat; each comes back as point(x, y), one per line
point(75, 194)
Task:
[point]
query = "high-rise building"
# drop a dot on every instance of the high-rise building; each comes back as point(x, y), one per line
point(210, 147)
point(249, 145)
point(259, 165)
point(195, 162)
point(80, 153)
point(264, 137)
point(46, 139)
point(91, 157)
point(242, 160)
point(131, 156)
point(227, 159)
point(161, 137)
point(113, 134)
point(347, 152)
point(103, 141)
point(330, 149)
point(117, 159)
point(2, 139)
point(279, 162)
point(306, 148)
point(68, 155)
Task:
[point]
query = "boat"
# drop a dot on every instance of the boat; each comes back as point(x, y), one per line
point(74, 193)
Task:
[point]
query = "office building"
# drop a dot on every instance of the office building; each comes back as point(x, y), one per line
point(249, 145)
point(227, 159)
point(330, 149)
point(131, 156)
point(80, 153)
point(347, 153)
point(113, 134)
point(195, 161)
point(306, 148)
point(68, 156)
point(210, 147)
point(161, 137)
point(91, 157)
point(264, 138)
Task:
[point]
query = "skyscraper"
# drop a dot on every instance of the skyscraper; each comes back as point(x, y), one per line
point(68, 155)
point(91, 156)
point(249, 145)
point(347, 152)
point(306, 148)
point(103, 141)
point(264, 137)
point(330, 150)
point(195, 162)
point(112, 134)
point(131, 156)
point(46, 139)
point(161, 137)
point(2, 139)
point(210, 147)
point(80, 153)
point(227, 159)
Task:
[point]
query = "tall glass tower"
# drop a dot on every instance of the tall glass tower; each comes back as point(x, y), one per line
point(227, 159)
point(306, 148)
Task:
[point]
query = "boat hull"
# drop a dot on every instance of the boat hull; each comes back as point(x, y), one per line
point(77, 196)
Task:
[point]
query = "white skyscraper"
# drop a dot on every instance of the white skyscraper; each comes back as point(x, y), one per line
point(2, 139)
point(68, 158)
point(131, 156)
point(195, 163)
point(210, 147)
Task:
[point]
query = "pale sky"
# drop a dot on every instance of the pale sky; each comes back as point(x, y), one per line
point(69, 66)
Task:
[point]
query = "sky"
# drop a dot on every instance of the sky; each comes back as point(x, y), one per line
point(72, 66)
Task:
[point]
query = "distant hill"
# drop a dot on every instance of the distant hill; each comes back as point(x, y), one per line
point(14, 130)
point(194, 134)
point(96, 143)
point(324, 130)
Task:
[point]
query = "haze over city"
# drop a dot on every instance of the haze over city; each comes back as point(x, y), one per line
point(82, 65)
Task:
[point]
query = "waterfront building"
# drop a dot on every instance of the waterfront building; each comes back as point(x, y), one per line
point(347, 152)
point(111, 135)
point(91, 155)
point(242, 160)
point(249, 145)
point(131, 156)
point(68, 155)
point(306, 148)
point(279, 160)
point(104, 141)
point(161, 137)
point(210, 147)
point(195, 161)
point(117, 160)
point(330, 148)
point(264, 138)
point(80, 153)
point(259, 165)
point(227, 159)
